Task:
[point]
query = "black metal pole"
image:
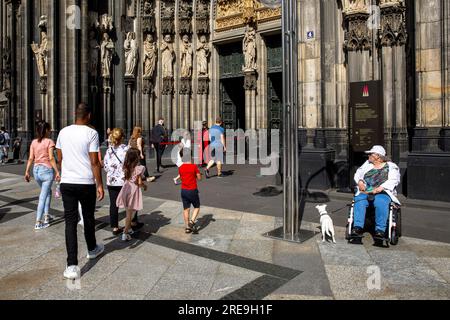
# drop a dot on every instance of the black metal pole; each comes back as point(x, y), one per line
point(290, 121)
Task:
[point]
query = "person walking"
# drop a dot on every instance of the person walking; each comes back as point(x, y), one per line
point(115, 178)
point(189, 174)
point(185, 143)
point(205, 143)
point(158, 137)
point(4, 145)
point(44, 172)
point(137, 142)
point(77, 148)
point(217, 147)
point(130, 196)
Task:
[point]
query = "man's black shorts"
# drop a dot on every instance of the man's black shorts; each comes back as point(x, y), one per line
point(190, 197)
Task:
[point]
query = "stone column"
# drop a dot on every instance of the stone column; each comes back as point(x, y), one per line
point(358, 44)
point(445, 132)
point(250, 83)
point(429, 56)
point(393, 40)
point(107, 121)
point(202, 96)
point(148, 108)
point(430, 156)
point(185, 93)
point(131, 115)
point(167, 100)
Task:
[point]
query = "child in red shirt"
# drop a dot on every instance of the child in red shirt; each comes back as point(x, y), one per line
point(189, 174)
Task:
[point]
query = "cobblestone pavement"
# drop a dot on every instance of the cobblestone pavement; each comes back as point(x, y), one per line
point(230, 258)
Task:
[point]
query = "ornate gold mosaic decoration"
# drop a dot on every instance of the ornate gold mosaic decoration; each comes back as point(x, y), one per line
point(232, 14)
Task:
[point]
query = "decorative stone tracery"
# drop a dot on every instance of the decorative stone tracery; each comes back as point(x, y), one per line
point(393, 25)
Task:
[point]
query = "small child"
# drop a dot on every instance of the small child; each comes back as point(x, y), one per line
point(189, 191)
point(130, 197)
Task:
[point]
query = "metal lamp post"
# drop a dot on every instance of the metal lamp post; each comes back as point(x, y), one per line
point(291, 184)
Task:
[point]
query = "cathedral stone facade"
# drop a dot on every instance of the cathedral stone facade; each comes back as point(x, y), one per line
point(370, 71)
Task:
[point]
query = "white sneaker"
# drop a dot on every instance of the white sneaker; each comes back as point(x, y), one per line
point(48, 218)
point(72, 273)
point(96, 252)
point(41, 226)
point(126, 237)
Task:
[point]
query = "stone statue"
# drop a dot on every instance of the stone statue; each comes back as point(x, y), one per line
point(168, 56)
point(93, 54)
point(41, 53)
point(186, 58)
point(203, 52)
point(148, 8)
point(249, 49)
point(150, 56)
point(107, 50)
point(131, 54)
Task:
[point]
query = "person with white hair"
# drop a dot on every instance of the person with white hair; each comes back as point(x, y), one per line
point(379, 178)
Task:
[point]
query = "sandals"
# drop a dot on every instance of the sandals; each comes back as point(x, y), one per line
point(191, 227)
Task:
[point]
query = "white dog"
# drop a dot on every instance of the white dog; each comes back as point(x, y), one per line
point(326, 222)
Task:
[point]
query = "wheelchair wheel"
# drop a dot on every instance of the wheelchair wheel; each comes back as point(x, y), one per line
point(399, 223)
point(348, 231)
point(394, 236)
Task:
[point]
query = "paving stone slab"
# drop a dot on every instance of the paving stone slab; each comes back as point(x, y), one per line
point(440, 265)
point(342, 253)
point(404, 268)
point(253, 249)
point(350, 283)
point(186, 286)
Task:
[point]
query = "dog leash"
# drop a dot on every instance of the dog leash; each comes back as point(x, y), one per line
point(347, 206)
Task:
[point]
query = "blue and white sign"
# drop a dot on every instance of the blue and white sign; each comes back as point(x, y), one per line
point(310, 35)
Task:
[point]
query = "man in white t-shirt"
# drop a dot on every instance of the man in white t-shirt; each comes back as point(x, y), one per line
point(77, 149)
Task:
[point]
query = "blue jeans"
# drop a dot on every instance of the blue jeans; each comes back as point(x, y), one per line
point(44, 177)
point(381, 204)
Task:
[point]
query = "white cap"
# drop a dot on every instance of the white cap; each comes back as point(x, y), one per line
point(377, 149)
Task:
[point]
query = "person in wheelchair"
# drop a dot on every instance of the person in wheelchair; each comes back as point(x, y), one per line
point(377, 181)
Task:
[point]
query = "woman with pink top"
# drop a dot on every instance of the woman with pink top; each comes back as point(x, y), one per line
point(44, 171)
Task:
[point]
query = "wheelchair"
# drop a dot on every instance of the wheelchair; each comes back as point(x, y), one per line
point(394, 224)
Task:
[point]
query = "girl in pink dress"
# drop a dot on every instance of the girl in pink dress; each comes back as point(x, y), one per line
point(130, 197)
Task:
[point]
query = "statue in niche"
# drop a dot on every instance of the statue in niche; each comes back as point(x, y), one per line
point(131, 54)
point(148, 8)
point(107, 51)
point(94, 47)
point(150, 56)
point(202, 9)
point(168, 55)
point(186, 58)
point(41, 53)
point(249, 49)
point(203, 52)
